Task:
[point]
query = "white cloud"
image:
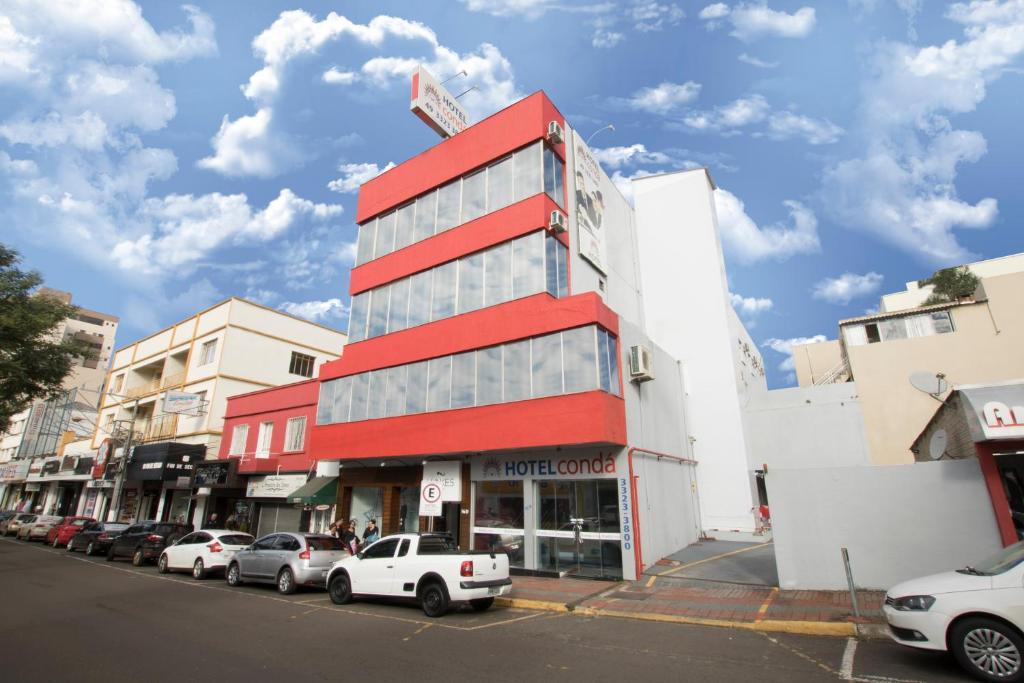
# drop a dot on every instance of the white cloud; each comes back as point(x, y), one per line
point(754, 61)
point(648, 15)
point(337, 77)
point(247, 147)
point(662, 98)
point(785, 347)
point(742, 112)
point(783, 125)
point(750, 306)
point(753, 20)
point(532, 9)
point(85, 131)
point(354, 175)
point(617, 157)
point(748, 243)
point(748, 111)
point(847, 287)
point(606, 39)
point(903, 187)
point(317, 311)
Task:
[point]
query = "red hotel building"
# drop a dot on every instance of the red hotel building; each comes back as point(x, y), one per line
point(496, 304)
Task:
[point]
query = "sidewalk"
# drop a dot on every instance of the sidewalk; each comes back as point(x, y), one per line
point(689, 601)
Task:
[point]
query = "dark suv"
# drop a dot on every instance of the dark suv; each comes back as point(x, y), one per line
point(144, 541)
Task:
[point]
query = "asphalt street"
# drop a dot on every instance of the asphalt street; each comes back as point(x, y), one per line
point(68, 617)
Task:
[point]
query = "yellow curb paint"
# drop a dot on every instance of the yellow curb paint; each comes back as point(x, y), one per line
point(707, 559)
point(765, 605)
point(809, 628)
point(650, 581)
point(523, 603)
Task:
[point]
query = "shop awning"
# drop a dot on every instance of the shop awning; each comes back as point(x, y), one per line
point(316, 491)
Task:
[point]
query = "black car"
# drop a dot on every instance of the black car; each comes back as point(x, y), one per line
point(96, 537)
point(144, 541)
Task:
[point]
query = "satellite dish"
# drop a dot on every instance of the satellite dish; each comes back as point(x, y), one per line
point(937, 444)
point(933, 383)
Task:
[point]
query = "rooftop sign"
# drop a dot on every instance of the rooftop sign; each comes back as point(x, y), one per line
point(437, 107)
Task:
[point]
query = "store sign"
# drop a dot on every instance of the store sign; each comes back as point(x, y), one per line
point(182, 402)
point(99, 484)
point(430, 499)
point(591, 190)
point(544, 467)
point(995, 412)
point(14, 471)
point(274, 485)
point(69, 463)
point(448, 476)
point(626, 513)
point(212, 473)
point(435, 106)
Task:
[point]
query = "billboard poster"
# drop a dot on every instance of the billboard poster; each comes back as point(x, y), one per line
point(435, 106)
point(590, 205)
point(182, 402)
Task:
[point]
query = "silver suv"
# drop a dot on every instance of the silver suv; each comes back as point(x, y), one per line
point(287, 560)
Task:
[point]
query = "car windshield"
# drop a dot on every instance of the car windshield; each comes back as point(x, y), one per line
point(1003, 561)
point(436, 545)
point(79, 522)
point(323, 543)
point(236, 539)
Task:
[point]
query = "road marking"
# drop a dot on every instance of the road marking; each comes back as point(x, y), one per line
point(763, 609)
point(681, 567)
point(418, 631)
point(846, 667)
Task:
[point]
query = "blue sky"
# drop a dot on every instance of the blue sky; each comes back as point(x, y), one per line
point(156, 158)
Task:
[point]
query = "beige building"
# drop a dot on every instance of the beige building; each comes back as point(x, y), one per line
point(234, 347)
point(977, 340)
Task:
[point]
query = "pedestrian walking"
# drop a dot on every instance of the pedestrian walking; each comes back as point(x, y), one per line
point(371, 533)
point(349, 537)
point(213, 522)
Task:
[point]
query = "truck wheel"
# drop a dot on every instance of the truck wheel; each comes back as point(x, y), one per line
point(285, 582)
point(434, 599)
point(988, 649)
point(481, 604)
point(340, 589)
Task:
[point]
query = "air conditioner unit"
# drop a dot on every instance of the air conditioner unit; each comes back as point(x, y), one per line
point(557, 222)
point(555, 133)
point(640, 369)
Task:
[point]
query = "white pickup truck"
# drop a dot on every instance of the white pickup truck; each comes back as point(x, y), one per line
point(426, 567)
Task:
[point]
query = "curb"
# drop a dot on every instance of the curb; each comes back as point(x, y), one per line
point(523, 603)
point(839, 629)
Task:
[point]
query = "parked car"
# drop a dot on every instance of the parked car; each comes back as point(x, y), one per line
point(59, 535)
point(36, 529)
point(976, 612)
point(287, 560)
point(429, 568)
point(144, 541)
point(95, 538)
point(203, 551)
point(12, 525)
point(5, 518)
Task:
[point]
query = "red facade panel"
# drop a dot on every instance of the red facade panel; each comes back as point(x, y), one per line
point(520, 319)
point(509, 129)
point(591, 418)
point(277, 405)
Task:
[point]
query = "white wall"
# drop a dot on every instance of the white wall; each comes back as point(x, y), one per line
point(666, 503)
point(817, 426)
point(915, 295)
point(898, 522)
point(687, 312)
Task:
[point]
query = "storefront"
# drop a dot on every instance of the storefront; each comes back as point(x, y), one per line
point(270, 510)
point(564, 513)
point(216, 488)
point(12, 477)
point(153, 473)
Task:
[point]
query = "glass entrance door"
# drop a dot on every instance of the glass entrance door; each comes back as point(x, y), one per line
point(578, 532)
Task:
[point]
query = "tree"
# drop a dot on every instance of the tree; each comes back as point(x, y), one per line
point(34, 360)
point(951, 284)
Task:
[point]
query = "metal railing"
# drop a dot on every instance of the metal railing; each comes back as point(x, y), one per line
point(839, 373)
point(173, 380)
point(157, 429)
point(143, 389)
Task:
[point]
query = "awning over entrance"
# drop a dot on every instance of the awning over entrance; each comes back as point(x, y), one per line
point(317, 491)
point(973, 414)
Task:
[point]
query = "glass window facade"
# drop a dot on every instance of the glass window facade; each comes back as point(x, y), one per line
point(580, 359)
point(527, 265)
point(527, 172)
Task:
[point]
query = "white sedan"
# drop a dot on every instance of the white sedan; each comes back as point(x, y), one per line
point(976, 612)
point(203, 551)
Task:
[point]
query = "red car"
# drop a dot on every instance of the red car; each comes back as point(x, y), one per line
point(60, 534)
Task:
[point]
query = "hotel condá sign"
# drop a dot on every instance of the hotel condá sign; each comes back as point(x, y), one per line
point(437, 107)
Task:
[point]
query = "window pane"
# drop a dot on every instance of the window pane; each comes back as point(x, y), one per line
point(546, 364)
point(426, 209)
point(474, 196)
point(613, 362)
point(499, 185)
point(604, 369)
point(563, 270)
point(448, 198)
point(528, 171)
point(551, 266)
point(553, 177)
point(416, 389)
point(323, 410)
point(471, 282)
point(517, 371)
point(360, 383)
point(364, 249)
point(379, 311)
point(488, 376)
point(376, 394)
point(439, 384)
point(397, 313)
point(385, 235)
point(579, 354)
point(395, 403)
point(403, 226)
point(443, 305)
point(357, 317)
point(463, 380)
point(498, 274)
point(419, 298)
point(941, 322)
point(528, 265)
point(342, 399)
point(559, 181)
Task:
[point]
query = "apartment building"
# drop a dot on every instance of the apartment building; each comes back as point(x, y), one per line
point(169, 391)
point(975, 340)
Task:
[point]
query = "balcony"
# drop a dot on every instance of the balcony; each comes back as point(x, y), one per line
point(159, 428)
point(175, 380)
point(143, 389)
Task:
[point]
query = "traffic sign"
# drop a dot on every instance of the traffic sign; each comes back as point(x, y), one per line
point(430, 499)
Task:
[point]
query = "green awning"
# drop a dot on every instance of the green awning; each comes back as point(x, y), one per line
point(316, 491)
